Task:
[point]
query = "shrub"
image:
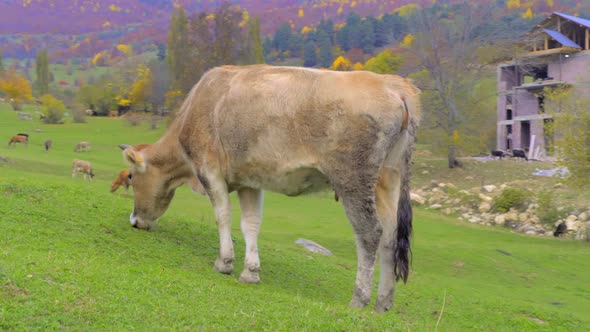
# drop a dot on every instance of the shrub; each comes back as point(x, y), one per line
point(79, 115)
point(54, 109)
point(510, 198)
point(547, 211)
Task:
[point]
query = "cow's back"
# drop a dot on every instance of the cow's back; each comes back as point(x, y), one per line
point(266, 123)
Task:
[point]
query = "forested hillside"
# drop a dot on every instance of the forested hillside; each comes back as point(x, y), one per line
point(82, 28)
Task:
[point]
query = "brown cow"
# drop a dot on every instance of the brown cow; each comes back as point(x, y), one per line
point(82, 166)
point(19, 138)
point(292, 131)
point(124, 179)
point(82, 146)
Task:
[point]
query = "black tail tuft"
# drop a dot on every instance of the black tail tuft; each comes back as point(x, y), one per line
point(403, 251)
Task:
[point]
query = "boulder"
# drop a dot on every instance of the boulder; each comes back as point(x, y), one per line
point(313, 247)
point(484, 207)
point(511, 216)
point(435, 207)
point(500, 219)
point(522, 217)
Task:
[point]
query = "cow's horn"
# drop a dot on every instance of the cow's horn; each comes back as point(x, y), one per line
point(125, 146)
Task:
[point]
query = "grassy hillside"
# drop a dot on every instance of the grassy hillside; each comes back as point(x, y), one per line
point(69, 259)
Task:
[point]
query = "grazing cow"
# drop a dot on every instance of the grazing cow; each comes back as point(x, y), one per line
point(48, 143)
point(19, 138)
point(519, 154)
point(82, 146)
point(498, 153)
point(124, 179)
point(561, 230)
point(82, 166)
point(292, 131)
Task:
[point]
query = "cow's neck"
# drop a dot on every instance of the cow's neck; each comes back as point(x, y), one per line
point(168, 153)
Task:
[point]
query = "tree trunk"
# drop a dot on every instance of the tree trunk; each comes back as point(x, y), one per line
point(453, 162)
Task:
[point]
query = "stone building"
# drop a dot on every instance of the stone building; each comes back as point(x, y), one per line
point(558, 54)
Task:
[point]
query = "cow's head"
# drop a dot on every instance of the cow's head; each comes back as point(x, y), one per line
point(153, 186)
point(155, 179)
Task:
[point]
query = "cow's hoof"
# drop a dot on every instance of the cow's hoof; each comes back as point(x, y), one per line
point(357, 303)
point(382, 307)
point(250, 277)
point(225, 266)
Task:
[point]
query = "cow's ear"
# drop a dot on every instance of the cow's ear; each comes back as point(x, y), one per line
point(135, 159)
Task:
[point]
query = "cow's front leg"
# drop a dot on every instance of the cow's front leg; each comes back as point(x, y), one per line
point(219, 197)
point(251, 207)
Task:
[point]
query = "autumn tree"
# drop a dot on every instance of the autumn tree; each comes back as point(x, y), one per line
point(253, 49)
point(227, 35)
point(341, 64)
point(42, 70)
point(569, 130)
point(141, 87)
point(1, 64)
point(446, 52)
point(160, 83)
point(16, 88)
point(325, 46)
point(310, 57)
point(384, 63)
point(178, 54)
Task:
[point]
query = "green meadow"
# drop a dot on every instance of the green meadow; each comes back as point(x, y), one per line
point(69, 259)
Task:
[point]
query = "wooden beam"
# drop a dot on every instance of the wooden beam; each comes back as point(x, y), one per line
point(558, 24)
point(546, 43)
point(586, 39)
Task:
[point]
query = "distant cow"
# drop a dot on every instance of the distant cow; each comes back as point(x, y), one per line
point(294, 131)
point(519, 154)
point(82, 166)
point(82, 146)
point(19, 138)
point(124, 179)
point(48, 143)
point(561, 230)
point(498, 153)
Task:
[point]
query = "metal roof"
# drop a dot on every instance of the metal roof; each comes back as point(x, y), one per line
point(560, 38)
point(578, 20)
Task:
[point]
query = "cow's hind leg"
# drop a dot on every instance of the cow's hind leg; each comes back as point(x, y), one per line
point(251, 207)
point(387, 197)
point(359, 205)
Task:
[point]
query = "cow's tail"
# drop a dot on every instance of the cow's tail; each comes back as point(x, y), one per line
point(402, 255)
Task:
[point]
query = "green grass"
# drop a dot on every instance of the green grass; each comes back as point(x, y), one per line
point(69, 259)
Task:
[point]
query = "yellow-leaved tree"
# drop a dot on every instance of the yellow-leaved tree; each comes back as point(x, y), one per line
point(16, 87)
point(384, 63)
point(125, 49)
point(53, 109)
point(342, 64)
point(141, 87)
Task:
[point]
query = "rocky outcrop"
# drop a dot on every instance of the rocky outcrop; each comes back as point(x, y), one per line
point(475, 205)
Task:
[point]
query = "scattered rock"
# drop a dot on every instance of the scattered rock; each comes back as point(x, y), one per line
point(313, 247)
point(435, 207)
point(489, 188)
point(417, 199)
point(500, 219)
point(485, 198)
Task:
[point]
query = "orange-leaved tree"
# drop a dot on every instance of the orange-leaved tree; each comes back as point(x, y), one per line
point(16, 87)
